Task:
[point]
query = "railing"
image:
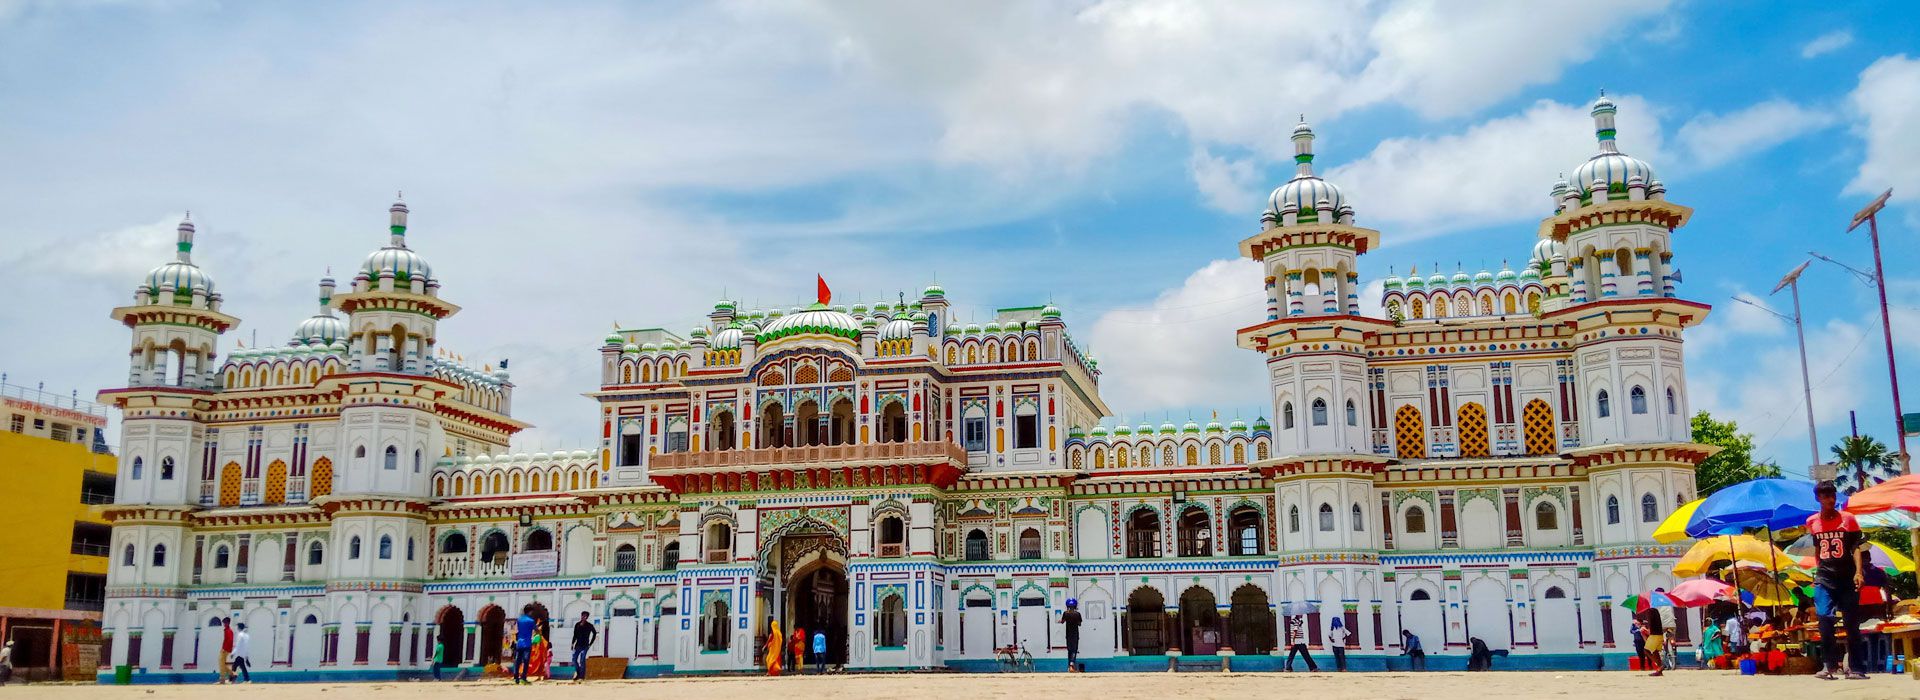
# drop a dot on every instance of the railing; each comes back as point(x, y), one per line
point(460, 564)
point(870, 452)
point(719, 556)
point(45, 398)
point(93, 604)
point(93, 498)
point(895, 549)
point(91, 549)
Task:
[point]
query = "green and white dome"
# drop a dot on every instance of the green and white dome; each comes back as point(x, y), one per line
point(817, 320)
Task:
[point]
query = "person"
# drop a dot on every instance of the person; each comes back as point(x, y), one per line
point(541, 656)
point(1337, 640)
point(1478, 658)
point(1071, 619)
point(819, 651)
point(242, 669)
point(774, 650)
point(439, 657)
point(1735, 631)
point(523, 644)
point(6, 662)
point(1640, 642)
point(226, 650)
point(1410, 648)
point(1656, 639)
point(1714, 643)
point(1297, 642)
point(797, 648)
point(583, 636)
point(1840, 560)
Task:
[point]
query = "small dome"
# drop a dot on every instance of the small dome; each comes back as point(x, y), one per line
point(1214, 426)
point(1505, 276)
point(1260, 424)
point(1168, 429)
point(992, 327)
point(1190, 427)
point(1238, 426)
point(1099, 431)
point(1546, 250)
point(1529, 275)
point(815, 321)
point(1145, 429)
point(698, 332)
point(1049, 311)
point(614, 338)
point(321, 329)
point(1415, 281)
point(1122, 431)
point(1437, 280)
point(723, 305)
point(1393, 282)
point(973, 329)
point(630, 348)
point(1482, 278)
point(726, 339)
point(934, 290)
point(1461, 278)
point(897, 329)
point(649, 347)
point(184, 277)
point(1303, 193)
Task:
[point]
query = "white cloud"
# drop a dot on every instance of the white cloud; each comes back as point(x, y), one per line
point(1178, 352)
point(1229, 185)
point(1826, 43)
point(1710, 139)
point(1496, 171)
point(1770, 403)
point(1887, 105)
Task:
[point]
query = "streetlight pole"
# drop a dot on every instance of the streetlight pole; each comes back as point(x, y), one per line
point(1869, 215)
point(1792, 282)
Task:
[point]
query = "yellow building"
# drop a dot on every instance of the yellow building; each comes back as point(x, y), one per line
point(54, 468)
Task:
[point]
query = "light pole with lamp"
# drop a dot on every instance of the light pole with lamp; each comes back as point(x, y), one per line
point(1869, 216)
point(1792, 282)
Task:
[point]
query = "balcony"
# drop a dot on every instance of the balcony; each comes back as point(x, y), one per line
point(91, 549)
point(894, 549)
point(870, 454)
point(462, 566)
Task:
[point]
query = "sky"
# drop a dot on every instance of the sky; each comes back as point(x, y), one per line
point(573, 165)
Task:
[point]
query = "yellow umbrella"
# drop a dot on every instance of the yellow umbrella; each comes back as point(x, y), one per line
point(1765, 589)
point(1730, 548)
point(1674, 528)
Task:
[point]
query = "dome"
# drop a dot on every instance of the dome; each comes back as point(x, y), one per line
point(897, 329)
point(1505, 276)
point(1049, 311)
point(1529, 275)
point(813, 321)
point(1145, 429)
point(321, 329)
point(1122, 430)
point(1167, 428)
point(614, 338)
point(1415, 281)
point(1461, 278)
point(1238, 426)
point(1438, 280)
point(630, 348)
point(697, 332)
point(726, 339)
point(1483, 278)
point(184, 277)
point(1214, 426)
point(1261, 424)
point(1393, 281)
point(1099, 431)
point(1190, 427)
point(723, 305)
point(934, 290)
point(992, 327)
point(1304, 192)
point(973, 329)
point(1546, 250)
point(1609, 166)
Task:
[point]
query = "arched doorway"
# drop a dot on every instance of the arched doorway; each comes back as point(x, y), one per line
point(1252, 621)
point(452, 634)
point(1199, 622)
point(1145, 623)
point(817, 600)
point(493, 625)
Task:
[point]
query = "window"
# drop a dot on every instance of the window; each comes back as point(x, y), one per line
point(126, 556)
point(1195, 532)
point(1326, 517)
point(1546, 517)
point(453, 543)
point(1359, 519)
point(670, 556)
point(1613, 510)
point(1293, 518)
point(220, 557)
point(314, 554)
point(677, 439)
point(1286, 415)
point(159, 555)
point(973, 433)
point(1353, 415)
point(630, 448)
point(166, 467)
point(893, 622)
point(1603, 407)
point(386, 547)
point(625, 558)
point(136, 468)
point(976, 546)
point(1673, 405)
point(392, 459)
point(893, 536)
point(718, 627)
point(18, 424)
point(417, 456)
point(359, 451)
point(1554, 593)
point(1637, 401)
point(409, 549)
point(719, 543)
point(1649, 508)
point(1416, 520)
point(353, 547)
point(1245, 526)
point(1143, 534)
point(1319, 412)
point(1026, 429)
point(539, 540)
point(1029, 545)
point(1420, 595)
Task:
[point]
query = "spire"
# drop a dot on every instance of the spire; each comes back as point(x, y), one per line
point(1303, 148)
point(397, 220)
point(326, 296)
point(185, 245)
point(1603, 127)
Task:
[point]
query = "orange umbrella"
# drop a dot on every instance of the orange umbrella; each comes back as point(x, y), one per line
point(1898, 493)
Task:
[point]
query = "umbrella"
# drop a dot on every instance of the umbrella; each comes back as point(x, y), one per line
point(1771, 503)
point(1878, 555)
point(1641, 602)
point(1698, 592)
point(1898, 493)
point(1760, 587)
point(1299, 607)
point(1889, 520)
point(1674, 528)
point(1706, 552)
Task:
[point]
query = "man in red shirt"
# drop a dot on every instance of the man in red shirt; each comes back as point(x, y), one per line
point(1842, 560)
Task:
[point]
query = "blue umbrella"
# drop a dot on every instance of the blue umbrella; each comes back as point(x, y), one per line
point(1761, 503)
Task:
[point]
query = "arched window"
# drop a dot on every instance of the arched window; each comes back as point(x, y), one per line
point(353, 548)
point(1030, 544)
point(1602, 405)
point(1546, 517)
point(892, 622)
point(718, 627)
point(1359, 519)
point(315, 554)
point(1554, 593)
point(416, 460)
point(1613, 510)
point(1244, 524)
point(137, 464)
point(359, 451)
point(1319, 412)
point(1637, 401)
point(670, 557)
point(159, 555)
point(539, 540)
point(719, 543)
point(1143, 534)
point(220, 557)
point(409, 549)
point(625, 558)
point(1420, 594)
point(976, 546)
point(392, 459)
point(453, 543)
point(1649, 508)
point(1286, 415)
point(166, 463)
point(386, 547)
point(1293, 518)
point(1195, 532)
point(1673, 404)
point(1416, 520)
point(126, 556)
point(1353, 415)
point(1326, 517)
point(893, 536)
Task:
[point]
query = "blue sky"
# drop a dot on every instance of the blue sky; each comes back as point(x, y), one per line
point(578, 164)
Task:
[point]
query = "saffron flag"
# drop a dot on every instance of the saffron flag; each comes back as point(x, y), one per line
point(825, 295)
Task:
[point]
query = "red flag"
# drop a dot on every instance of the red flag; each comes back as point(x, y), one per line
point(825, 295)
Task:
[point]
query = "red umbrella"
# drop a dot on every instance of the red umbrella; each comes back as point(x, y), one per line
point(1898, 493)
point(1698, 592)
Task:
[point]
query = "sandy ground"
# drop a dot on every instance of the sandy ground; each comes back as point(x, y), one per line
point(1679, 685)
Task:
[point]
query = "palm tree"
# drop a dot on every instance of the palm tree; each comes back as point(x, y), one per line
point(1865, 462)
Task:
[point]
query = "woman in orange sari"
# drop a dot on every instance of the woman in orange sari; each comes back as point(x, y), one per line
point(542, 657)
point(774, 639)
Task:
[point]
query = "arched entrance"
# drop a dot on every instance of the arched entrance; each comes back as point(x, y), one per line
point(1199, 622)
point(1145, 623)
point(806, 563)
point(817, 600)
point(493, 625)
point(1252, 621)
point(452, 635)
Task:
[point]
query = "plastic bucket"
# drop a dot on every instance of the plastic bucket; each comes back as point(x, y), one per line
point(1748, 667)
point(123, 675)
point(1633, 664)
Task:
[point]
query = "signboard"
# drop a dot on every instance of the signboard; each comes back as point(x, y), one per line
point(534, 564)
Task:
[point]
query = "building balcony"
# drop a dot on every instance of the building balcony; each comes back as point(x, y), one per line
point(936, 463)
point(463, 566)
point(869, 454)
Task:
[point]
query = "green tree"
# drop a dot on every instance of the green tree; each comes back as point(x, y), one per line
point(1733, 463)
point(1863, 462)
